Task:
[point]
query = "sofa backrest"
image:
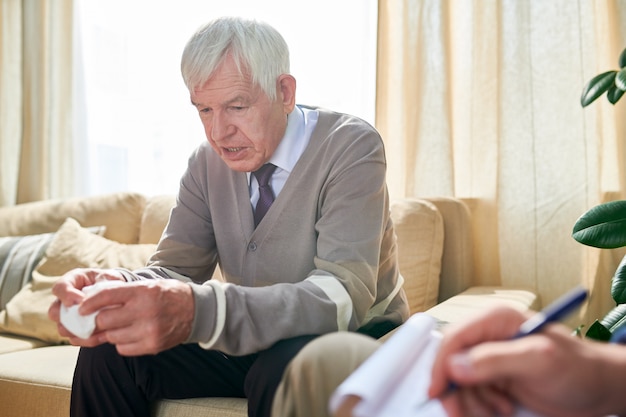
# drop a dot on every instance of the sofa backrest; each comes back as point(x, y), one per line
point(155, 217)
point(420, 239)
point(457, 263)
point(121, 213)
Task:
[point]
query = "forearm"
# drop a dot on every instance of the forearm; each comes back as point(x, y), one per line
point(240, 320)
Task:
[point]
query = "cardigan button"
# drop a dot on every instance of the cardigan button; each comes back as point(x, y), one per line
point(252, 246)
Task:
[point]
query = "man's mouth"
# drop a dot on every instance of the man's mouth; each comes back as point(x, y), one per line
point(233, 149)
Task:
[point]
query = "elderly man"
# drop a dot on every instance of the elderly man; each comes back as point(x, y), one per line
point(289, 200)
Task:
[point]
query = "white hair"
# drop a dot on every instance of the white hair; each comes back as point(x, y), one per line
point(255, 46)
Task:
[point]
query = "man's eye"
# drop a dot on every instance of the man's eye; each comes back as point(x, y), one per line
point(237, 108)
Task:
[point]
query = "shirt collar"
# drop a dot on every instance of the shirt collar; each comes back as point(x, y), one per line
point(289, 149)
point(291, 146)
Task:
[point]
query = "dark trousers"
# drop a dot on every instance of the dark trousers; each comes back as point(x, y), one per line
point(108, 384)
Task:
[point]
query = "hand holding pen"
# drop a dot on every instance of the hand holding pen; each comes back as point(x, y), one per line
point(497, 373)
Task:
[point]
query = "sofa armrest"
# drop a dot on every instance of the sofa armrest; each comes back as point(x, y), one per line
point(476, 299)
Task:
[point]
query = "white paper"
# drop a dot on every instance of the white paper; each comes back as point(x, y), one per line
point(394, 381)
point(76, 323)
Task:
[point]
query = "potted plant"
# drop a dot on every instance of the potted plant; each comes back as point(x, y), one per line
point(604, 226)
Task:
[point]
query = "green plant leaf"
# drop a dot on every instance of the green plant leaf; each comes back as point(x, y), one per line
point(618, 325)
point(598, 332)
point(620, 79)
point(618, 283)
point(603, 226)
point(622, 59)
point(614, 317)
point(597, 86)
point(614, 94)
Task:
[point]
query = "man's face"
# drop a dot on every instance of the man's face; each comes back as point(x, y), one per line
point(241, 123)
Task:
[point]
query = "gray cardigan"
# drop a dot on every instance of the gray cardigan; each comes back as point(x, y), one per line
point(323, 258)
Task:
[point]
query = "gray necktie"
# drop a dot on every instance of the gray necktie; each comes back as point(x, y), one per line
point(266, 195)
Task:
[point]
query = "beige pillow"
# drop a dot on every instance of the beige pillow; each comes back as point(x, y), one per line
point(19, 256)
point(26, 314)
point(419, 229)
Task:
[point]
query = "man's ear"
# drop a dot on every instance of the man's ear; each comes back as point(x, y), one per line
point(287, 91)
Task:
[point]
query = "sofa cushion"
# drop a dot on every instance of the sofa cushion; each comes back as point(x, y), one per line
point(155, 217)
point(419, 229)
point(43, 388)
point(120, 213)
point(457, 262)
point(37, 382)
point(26, 314)
point(75, 247)
point(205, 407)
point(15, 343)
point(19, 255)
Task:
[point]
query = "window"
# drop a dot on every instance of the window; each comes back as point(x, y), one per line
point(139, 125)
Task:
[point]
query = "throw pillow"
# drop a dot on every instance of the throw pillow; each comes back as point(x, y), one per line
point(73, 246)
point(18, 258)
point(19, 255)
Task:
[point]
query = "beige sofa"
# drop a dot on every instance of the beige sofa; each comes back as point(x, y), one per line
point(39, 241)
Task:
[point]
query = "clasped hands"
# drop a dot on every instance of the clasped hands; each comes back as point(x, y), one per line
point(139, 317)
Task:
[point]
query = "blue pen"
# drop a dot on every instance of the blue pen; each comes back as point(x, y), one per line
point(558, 309)
point(554, 312)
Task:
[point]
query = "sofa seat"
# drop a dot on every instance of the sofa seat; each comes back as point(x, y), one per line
point(210, 407)
point(34, 382)
point(14, 343)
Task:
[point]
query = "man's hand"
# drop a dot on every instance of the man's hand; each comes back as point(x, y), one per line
point(141, 317)
point(552, 372)
point(68, 290)
point(479, 399)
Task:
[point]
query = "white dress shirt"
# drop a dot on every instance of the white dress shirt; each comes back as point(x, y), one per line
point(300, 125)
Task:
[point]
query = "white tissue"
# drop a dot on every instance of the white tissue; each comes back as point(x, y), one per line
point(76, 323)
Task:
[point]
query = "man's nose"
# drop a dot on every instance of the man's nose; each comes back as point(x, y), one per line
point(221, 127)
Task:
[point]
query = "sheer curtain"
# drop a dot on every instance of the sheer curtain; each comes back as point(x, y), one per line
point(140, 125)
point(91, 97)
point(36, 128)
point(480, 100)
